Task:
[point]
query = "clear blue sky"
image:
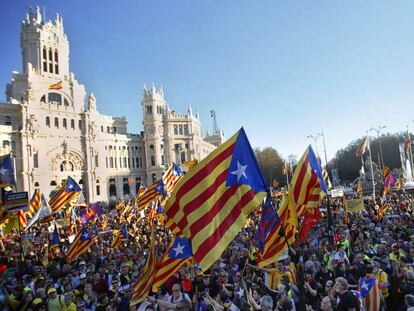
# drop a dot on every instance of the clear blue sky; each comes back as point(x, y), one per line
point(281, 69)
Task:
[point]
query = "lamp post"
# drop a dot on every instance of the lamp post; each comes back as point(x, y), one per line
point(315, 139)
point(378, 130)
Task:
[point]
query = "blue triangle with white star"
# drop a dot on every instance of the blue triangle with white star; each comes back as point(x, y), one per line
point(176, 170)
point(181, 248)
point(243, 169)
point(160, 188)
point(85, 236)
point(72, 185)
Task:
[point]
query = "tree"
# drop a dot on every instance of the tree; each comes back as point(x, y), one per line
point(348, 164)
point(271, 164)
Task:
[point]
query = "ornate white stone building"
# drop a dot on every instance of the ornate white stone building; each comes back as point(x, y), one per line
point(56, 132)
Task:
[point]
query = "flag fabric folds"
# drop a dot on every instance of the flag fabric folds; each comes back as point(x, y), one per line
point(177, 254)
point(209, 205)
point(6, 171)
point(306, 191)
point(407, 144)
point(67, 194)
point(120, 236)
point(390, 182)
point(43, 212)
point(80, 245)
point(55, 86)
point(362, 148)
point(91, 212)
point(310, 218)
point(370, 292)
point(34, 204)
point(327, 179)
point(144, 283)
point(171, 177)
point(268, 221)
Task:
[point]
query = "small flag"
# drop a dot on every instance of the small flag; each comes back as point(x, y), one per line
point(55, 238)
point(6, 171)
point(170, 262)
point(43, 212)
point(268, 221)
point(56, 86)
point(67, 194)
point(363, 147)
point(80, 245)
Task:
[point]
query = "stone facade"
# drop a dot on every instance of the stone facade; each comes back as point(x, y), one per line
point(53, 128)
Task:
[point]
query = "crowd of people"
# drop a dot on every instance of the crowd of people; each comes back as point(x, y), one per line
point(315, 275)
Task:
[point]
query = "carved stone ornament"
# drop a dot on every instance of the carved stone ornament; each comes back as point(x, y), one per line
point(30, 92)
point(64, 157)
point(32, 126)
point(91, 102)
point(92, 130)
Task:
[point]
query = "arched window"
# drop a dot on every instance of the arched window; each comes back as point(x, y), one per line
point(6, 143)
point(44, 53)
point(43, 99)
point(57, 122)
point(67, 166)
point(180, 129)
point(56, 56)
point(7, 120)
point(55, 98)
point(47, 121)
point(65, 125)
point(112, 187)
point(80, 124)
point(175, 130)
point(50, 55)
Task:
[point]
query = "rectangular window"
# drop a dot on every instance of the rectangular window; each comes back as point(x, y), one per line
point(56, 69)
point(133, 163)
point(182, 157)
point(129, 163)
point(140, 163)
point(98, 190)
point(72, 123)
point(153, 160)
point(51, 67)
point(125, 162)
point(80, 124)
point(137, 162)
point(44, 66)
point(106, 162)
point(111, 162)
point(57, 122)
point(64, 123)
point(35, 160)
point(96, 160)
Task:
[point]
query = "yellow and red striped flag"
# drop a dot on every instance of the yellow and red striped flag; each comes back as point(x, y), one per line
point(150, 194)
point(209, 205)
point(119, 236)
point(80, 245)
point(34, 204)
point(67, 194)
point(176, 255)
point(56, 86)
point(22, 219)
point(306, 191)
point(171, 177)
point(143, 285)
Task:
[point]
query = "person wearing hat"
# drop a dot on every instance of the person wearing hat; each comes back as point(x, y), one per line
point(53, 299)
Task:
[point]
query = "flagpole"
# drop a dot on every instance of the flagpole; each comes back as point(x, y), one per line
point(372, 169)
point(410, 153)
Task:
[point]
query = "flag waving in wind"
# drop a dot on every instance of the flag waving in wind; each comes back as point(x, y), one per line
point(69, 191)
point(268, 222)
point(209, 205)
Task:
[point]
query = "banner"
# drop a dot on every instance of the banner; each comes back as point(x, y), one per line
point(335, 193)
point(354, 205)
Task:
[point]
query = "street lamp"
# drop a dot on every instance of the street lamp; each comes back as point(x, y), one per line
point(315, 139)
point(378, 130)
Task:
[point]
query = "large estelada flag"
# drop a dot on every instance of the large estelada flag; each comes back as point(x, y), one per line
point(370, 292)
point(6, 171)
point(306, 191)
point(209, 205)
point(80, 245)
point(69, 191)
